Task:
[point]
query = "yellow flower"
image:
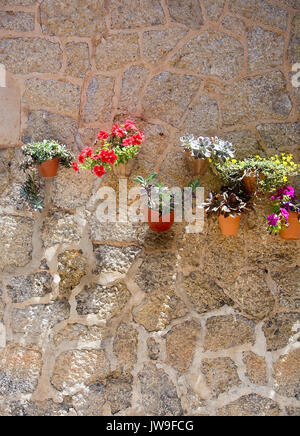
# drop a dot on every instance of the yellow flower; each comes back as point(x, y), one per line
point(234, 161)
point(285, 179)
point(272, 158)
point(278, 162)
point(284, 163)
point(210, 160)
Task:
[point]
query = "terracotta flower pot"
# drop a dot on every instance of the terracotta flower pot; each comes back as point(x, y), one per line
point(230, 225)
point(159, 223)
point(251, 183)
point(49, 168)
point(292, 232)
point(198, 167)
point(124, 170)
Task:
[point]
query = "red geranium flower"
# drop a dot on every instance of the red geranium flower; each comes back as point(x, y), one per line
point(87, 151)
point(129, 125)
point(99, 170)
point(75, 167)
point(127, 142)
point(108, 156)
point(81, 158)
point(103, 134)
point(121, 132)
point(114, 128)
point(138, 138)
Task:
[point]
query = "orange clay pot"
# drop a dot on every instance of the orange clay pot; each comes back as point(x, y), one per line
point(197, 167)
point(251, 184)
point(292, 232)
point(159, 223)
point(230, 225)
point(49, 168)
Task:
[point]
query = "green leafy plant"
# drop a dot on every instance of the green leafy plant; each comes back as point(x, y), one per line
point(30, 191)
point(39, 152)
point(228, 203)
point(158, 196)
point(194, 184)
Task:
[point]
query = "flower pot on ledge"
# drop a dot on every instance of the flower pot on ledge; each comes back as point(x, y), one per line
point(124, 170)
point(251, 183)
point(292, 232)
point(159, 223)
point(197, 167)
point(229, 225)
point(49, 168)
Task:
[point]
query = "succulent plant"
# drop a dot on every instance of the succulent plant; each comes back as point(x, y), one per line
point(227, 203)
point(222, 149)
point(204, 147)
point(39, 152)
point(30, 191)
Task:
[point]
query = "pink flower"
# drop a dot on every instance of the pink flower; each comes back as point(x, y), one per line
point(121, 132)
point(284, 213)
point(99, 170)
point(103, 134)
point(273, 219)
point(127, 142)
point(129, 125)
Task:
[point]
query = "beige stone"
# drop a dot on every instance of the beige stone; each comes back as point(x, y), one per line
point(60, 227)
point(81, 334)
point(202, 118)
point(125, 346)
point(157, 272)
point(214, 8)
point(288, 287)
point(72, 266)
point(260, 10)
point(251, 405)
point(73, 18)
point(10, 115)
point(220, 375)
point(24, 288)
point(280, 329)
point(72, 190)
point(280, 134)
point(245, 142)
point(294, 51)
point(133, 82)
point(98, 107)
point(78, 59)
point(224, 332)
point(20, 21)
point(287, 374)
point(265, 49)
point(188, 12)
point(145, 13)
point(110, 259)
point(114, 52)
point(256, 369)
point(179, 357)
point(158, 43)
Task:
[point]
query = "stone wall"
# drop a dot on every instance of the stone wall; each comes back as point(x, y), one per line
point(113, 319)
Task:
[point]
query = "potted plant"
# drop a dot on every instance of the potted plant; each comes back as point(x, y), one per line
point(258, 174)
point(199, 151)
point(285, 218)
point(115, 150)
point(158, 199)
point(228, 205)
point(46, 155)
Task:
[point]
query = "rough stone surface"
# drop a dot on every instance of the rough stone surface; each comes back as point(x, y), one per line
point(251, 405)
point(55, 95)
point(125, 346)
point(24, 288)
point(2, 306)
point(30, 55)
point(265, 49)
point(20, 369)
point(256, 98)
point(60, 227)
point(110, 51)
point(44, 408)
point(260, 10)
point(179, 357)
point(158, 43)
point(294, 51)
point(72, 190)
point(76, 367)
point(73, 18)
point(287, 374)
point(245, 142)
point(212, 54)
point(188, 13)
point(202, 117)
point(228, 331)
point(39, 319)
point(204, 294)
point(115, 259)
point(159, 394)
point(106, 302)
point(288, 286)
point(43, 124)
point(234, 23)
point(119, 393)
point(81, 334)
point(274, 135)
point(220, 375)
point(158, 310)
point(20, 21)
point(153, 349)
point(169, 90)
point(16, 237)
point(78, 59)
point(214, 8)
point(256, 368)
point(156, 272)
point(99, 99)
point(133, 82)
point(280, 329)
point(72, 267)
point(145, 13)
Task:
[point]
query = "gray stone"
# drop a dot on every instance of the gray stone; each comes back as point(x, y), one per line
point(72, 190)
point(116, 51)
point(287, 374)
point(204, 293)
point(37, 320)
point(105, 302)
point(256, 98)
point(15, 241)
point(168, 96)
point(98, 107)
point(202, 117)
point(45, 125)
point(251, 405)
point(128, 14)
point(220, 375)
point(180, 356)
point(2, 307)
point(24, 288)
point(159, 396)
point(256, 368)
point(187, 12)
point(245, 143)
point(280, 328)
point(78, 59)
point(277, 135)
point(288, 287)
point(225, 332)
point(73, 17)
point(20, 369)
point(157, 272)
point(45, 408)
point(211, 53)
point(234, 24)
point(214, 9)
point(90, 401)
point(52, 94)
point(60, 228)
point(158, 43)
point(265, 49)
point(125, 346)
point(80, 334)
point(30, 55)
point(133, 82)
point(260, 10)
point(20, 21)
point(153, 349)
point(294, 50)
point(115, 259)
point(118, 392)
